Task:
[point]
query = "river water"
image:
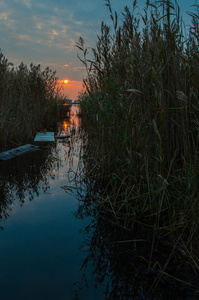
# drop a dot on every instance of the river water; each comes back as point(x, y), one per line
point(58, 242)
point(41, 250)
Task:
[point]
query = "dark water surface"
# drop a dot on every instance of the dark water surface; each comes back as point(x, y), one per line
point(61, 243)
point(40, 256)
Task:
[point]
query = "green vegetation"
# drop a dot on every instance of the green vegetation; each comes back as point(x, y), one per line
point(141, 109)
point(29, 101)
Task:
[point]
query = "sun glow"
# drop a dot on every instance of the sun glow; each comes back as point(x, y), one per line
point(71, 88)
point(65, 125)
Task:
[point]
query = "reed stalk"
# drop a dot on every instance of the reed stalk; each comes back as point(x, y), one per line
point(141, 108)
point(29, 101)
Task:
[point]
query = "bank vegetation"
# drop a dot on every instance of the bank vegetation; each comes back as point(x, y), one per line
point(141, 115)
point(29, 101)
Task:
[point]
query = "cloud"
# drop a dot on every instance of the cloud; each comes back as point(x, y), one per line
point(47, 31)
point(78, 34)
point(53, 34)
point(39, 25)
point(64, 28)
point(25, 37)
point(78, 22)
point(78, 68)
point(27, 3)
point(47, 23)
point(47, 64)
point(4, 16)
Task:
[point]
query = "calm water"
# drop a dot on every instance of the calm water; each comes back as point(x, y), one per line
point(41, 249)
point(59, 243)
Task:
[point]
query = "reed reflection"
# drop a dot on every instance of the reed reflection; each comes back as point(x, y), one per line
point(120, 259)
point(25, 176)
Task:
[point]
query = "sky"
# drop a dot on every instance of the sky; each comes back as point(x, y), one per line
point(45, 32)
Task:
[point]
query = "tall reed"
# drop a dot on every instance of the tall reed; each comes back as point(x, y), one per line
point(141, 108)
point(29, 101)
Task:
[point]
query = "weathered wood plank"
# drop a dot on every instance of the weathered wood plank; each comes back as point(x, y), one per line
point(17, 151)
point(44, 137)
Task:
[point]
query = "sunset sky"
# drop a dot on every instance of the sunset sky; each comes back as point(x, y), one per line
point(45, 32)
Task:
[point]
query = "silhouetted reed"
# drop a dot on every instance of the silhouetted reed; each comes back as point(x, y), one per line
point(29, 101)
point(142, 119)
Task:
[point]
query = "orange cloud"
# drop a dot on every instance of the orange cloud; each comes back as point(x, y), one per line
point(25, 37)
point(3, 16)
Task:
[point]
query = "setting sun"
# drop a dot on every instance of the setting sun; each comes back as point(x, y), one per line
point(71, 88)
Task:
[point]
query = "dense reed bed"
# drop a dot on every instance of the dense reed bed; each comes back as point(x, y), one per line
point(29, 101)
point(141, 110)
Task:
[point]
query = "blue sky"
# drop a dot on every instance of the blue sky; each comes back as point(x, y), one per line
point(46, 31)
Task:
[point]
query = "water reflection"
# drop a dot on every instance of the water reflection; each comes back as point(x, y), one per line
point(26, 176)
point(39, 247)
point(120, 260)
point(42, 242)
